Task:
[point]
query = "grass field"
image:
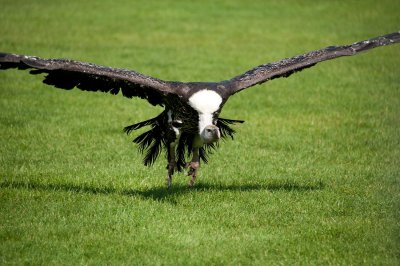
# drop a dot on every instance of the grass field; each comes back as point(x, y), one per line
point(312, 177)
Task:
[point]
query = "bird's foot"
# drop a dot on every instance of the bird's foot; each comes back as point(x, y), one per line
point(193, 167)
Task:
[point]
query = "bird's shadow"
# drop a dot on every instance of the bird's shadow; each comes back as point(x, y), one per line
point(161, 193)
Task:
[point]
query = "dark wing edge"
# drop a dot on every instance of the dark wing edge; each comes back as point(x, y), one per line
point(68, 74)
point(288, 66)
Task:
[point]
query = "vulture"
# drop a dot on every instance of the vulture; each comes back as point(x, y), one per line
point(189, 125)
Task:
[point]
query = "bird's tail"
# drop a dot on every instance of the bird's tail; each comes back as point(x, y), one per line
point(152, 141)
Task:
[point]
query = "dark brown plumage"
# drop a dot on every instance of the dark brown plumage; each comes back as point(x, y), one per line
point(190, 123)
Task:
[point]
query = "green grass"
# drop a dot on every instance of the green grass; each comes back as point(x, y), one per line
point(312, 177)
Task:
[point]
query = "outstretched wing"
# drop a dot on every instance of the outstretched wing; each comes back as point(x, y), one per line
point(68, 74)
point(286, 67)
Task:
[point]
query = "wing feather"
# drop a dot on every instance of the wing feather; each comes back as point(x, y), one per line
point(68, 74)
point(286, 67)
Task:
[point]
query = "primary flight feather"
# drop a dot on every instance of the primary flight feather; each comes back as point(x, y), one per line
point(190, 124)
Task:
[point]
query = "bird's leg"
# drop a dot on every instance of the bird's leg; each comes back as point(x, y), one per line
point(194, 166)
point(171, 163)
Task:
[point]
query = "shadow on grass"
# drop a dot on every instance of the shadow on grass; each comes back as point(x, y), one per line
point(162, 193)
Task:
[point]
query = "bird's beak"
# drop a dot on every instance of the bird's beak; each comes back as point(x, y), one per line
point(211, 134)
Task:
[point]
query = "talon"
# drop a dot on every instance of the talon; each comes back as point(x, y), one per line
point(193, 166)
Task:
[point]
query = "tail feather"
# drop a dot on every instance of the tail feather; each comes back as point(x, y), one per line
point(130, 128)
point(153, 152)
point(152, 142)
point(225, 129)
point(144, 140)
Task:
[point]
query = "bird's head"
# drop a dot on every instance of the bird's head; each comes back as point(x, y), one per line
point(210, 134)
